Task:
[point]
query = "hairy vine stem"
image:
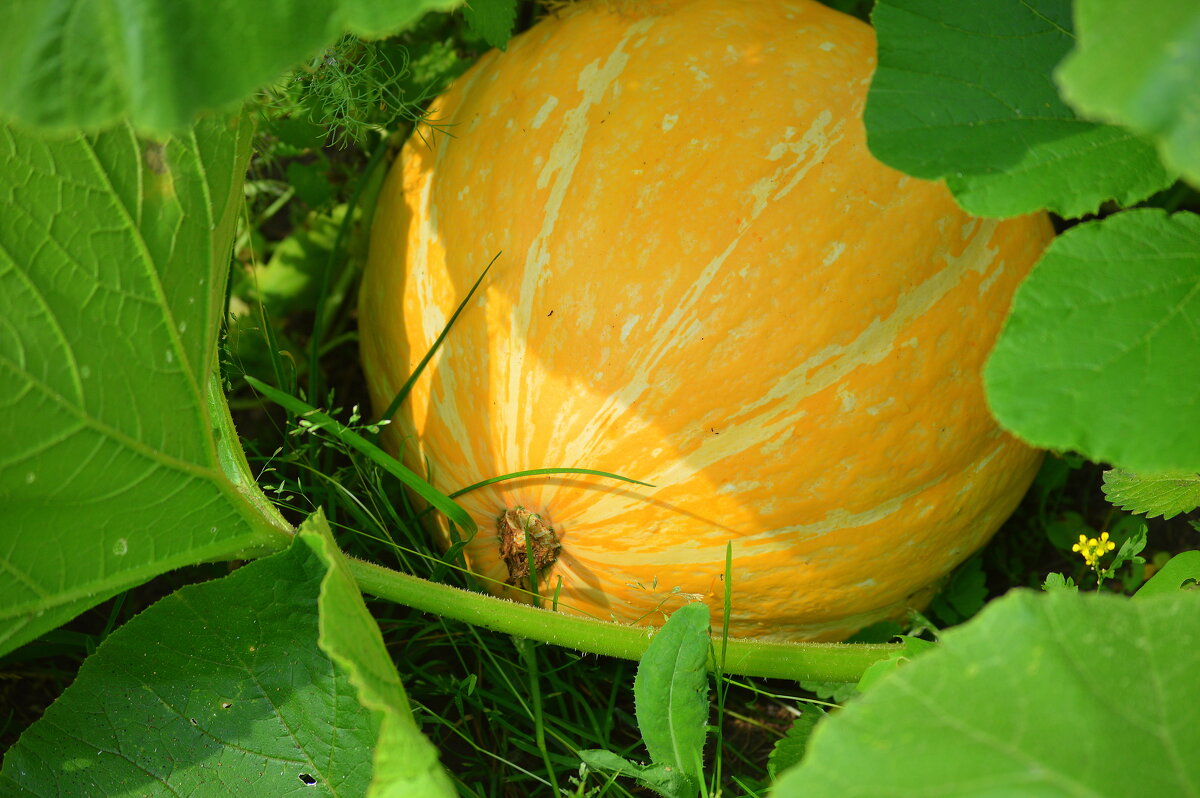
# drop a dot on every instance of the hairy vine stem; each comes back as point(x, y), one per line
point(828, 662)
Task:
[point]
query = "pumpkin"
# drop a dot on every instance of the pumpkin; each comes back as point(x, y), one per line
point(707, 283)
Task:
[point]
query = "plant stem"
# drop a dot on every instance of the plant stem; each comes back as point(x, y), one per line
point(827, 662)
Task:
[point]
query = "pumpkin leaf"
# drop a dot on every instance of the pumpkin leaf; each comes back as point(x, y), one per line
point(1098, 352)
point(671, 694)
point(788, 750)
point(75, 65)
point(381, 458)
point(1180, 570)
point(1138, 65)
point(964, 92)
point(1153, 495)
point(1029, 696)
point(492, 20)
point(189, 695)
point(114, 252)
point(405, 762)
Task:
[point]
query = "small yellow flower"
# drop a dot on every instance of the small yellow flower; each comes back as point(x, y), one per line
point(1092, 549)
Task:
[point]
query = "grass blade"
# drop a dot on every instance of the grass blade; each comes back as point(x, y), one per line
point(537, 472)
point(456, 514)
point(402, 394)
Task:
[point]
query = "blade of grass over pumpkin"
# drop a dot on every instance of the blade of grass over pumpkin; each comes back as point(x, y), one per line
point(352, 439)
point(537, 472)
point(719, 670)
point(402, 394)
point(830, 662)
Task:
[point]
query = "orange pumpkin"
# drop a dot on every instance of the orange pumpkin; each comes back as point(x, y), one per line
point(706, 283)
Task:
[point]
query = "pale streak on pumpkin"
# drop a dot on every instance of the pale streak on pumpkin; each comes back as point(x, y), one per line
point(815, 144)
point(594, 82)
point(870, 347)
point(840, 441)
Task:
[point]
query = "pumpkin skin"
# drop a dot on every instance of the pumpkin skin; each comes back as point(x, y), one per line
point(706, 283)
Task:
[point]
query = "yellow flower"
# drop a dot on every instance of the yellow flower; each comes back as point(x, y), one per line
point(1092, 549)
point(1105, 543)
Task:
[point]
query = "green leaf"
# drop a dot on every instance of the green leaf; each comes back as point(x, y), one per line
point(835, 692)
point(1098, 355)
point(1179, 570)
point(405, 764)
point(963, 595)
point(73, 64)
point(671, 693)
point(661, 779)
point(1138, 65)
point(1055, 582)
point(311, 182)
point(1153, 495)
point(119, 459)
point(1041, 694)
point(191, 698)
point(912, 647)
point(1130, 548)
point(964, 92)
point(291, 279)
point(493, 20)
point(789, 750)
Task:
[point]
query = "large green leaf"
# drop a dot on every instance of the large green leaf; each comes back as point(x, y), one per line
point(119, 461)
point(1138, 65)
point(190, 698)
point(1052, 694)
point(80, 64)
point(964, 92)
point(406, 763)
point(1099, 355)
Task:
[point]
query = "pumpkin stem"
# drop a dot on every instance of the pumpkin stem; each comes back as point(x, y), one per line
point(516, 525)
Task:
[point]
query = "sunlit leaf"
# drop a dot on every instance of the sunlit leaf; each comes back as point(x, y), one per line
point(1041, 694)
point(119, 460)
point(1099, 354)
